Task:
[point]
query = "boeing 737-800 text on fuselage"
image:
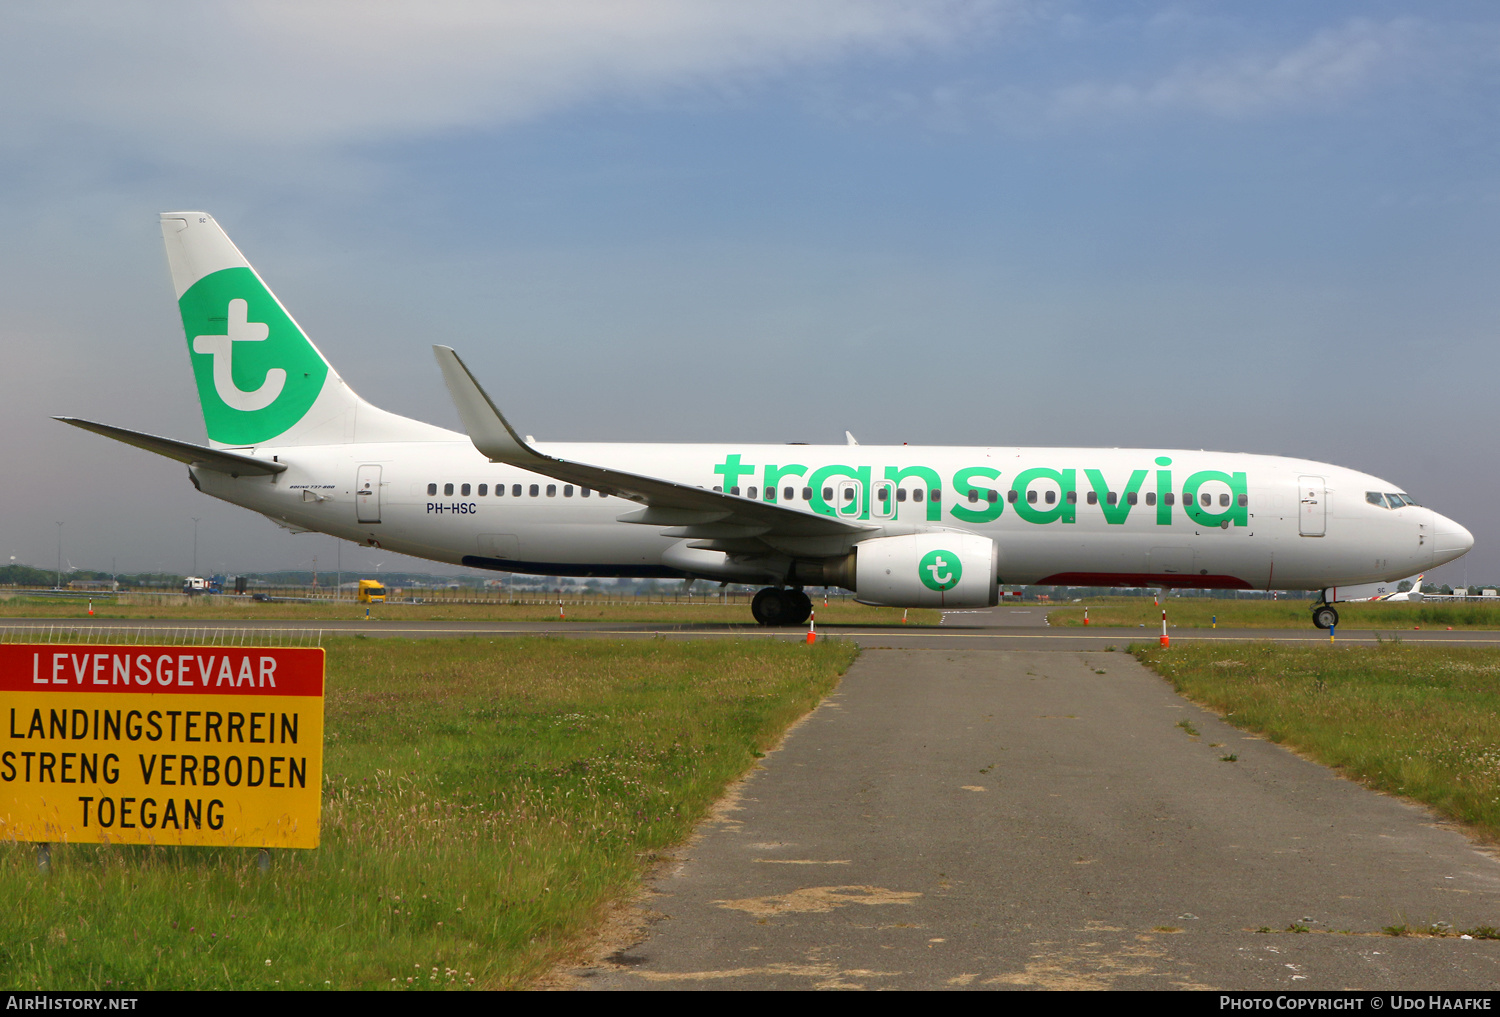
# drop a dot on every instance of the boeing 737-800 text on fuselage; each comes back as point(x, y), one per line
point(900, 525)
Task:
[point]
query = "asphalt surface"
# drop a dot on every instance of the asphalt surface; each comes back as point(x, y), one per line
point(1019, 819)
point(1000, 628)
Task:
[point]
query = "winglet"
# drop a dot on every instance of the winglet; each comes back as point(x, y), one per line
point(490, 432)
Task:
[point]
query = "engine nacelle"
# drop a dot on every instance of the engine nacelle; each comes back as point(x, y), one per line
point(945, 569)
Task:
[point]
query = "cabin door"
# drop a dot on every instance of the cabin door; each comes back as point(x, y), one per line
point(1312, 512)
point(367, 494)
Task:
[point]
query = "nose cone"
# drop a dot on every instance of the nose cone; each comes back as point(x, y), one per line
point(1450, 540)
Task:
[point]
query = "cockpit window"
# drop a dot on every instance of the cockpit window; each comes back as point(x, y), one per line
point(1389, 499)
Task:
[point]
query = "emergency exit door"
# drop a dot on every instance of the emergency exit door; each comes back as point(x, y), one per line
point(1312, 512)
point(367, 494)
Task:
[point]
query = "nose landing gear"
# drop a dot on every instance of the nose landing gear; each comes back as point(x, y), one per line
point(781, 607)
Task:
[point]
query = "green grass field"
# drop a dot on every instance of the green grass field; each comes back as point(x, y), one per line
point(1419, 721)
point(1200, 612)
point(485, 802)
point(237, 609)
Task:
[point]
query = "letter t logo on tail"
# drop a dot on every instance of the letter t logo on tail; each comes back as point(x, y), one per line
point(221, 347)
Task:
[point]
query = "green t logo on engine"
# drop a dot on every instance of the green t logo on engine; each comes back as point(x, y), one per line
point(940, 570)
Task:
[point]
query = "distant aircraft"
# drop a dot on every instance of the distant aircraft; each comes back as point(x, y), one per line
point(1414, 593)
point(906, 526)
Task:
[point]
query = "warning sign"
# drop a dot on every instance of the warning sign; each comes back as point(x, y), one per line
point(161, 744)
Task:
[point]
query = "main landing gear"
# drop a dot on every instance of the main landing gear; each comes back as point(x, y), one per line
point(781, 607)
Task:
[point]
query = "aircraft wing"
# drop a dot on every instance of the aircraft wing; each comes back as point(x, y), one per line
point(690, 511)
point(184, 452)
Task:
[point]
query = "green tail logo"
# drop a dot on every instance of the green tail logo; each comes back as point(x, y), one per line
point(257, 374)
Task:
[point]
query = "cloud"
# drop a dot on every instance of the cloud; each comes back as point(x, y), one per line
point(330, 72)
point(1330, 67)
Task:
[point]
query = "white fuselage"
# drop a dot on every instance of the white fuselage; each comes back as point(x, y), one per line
point(1074, 516)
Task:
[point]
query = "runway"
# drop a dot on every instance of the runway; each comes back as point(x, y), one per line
point(1000, 628)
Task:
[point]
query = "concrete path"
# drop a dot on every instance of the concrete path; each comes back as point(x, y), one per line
point(989, 819)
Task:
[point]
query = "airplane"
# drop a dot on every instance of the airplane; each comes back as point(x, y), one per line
point(1412, 593)
point(898, 525)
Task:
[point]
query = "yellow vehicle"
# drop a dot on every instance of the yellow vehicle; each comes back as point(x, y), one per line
point(371, 592)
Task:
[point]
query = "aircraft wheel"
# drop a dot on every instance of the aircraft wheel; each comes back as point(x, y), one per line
point(1325, 617)
point(802, 606)
point(773, 607)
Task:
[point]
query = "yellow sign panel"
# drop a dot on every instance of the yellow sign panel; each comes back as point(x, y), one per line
point(161, 745)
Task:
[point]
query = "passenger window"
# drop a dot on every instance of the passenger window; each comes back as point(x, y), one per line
point(734, 490)
point(1244, 500)
point(1130, 498)
point(973, 495)
point(916, 495)
point(535, 490)
point(1208, 500)
point(499, 490)
point(1031, 497)
point(937, 494)
point(584, 492)
point(484, 489)
point(1112, 498)
point(1170, 497)
point(515, 490)
point(431, 489)
point(884, 494)
point(1223, 501)
point(1093, 498)
point(1150, 497)
point(992, 496)
point(552, 490)
point(1072, 497)
point(849, 495)
point(807, 494)
point(789, 494)
point(718, 488)
point(567, 490)
point(1014, 496)
point(447, 488)
point(900, 494)
point(750, 493)
point(464, 490)
point(770, 494)
point(1051, 497)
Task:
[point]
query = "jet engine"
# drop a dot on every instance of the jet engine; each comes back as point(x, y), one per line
point(944, 569)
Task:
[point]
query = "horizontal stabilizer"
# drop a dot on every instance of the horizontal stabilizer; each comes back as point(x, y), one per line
point(184, 452)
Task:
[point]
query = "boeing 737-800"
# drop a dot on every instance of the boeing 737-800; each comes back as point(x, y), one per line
point(900, 525)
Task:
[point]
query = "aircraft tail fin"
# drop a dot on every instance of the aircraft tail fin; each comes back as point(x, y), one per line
point(260, 379)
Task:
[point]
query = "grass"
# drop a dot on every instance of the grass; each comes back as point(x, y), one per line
point(228, 609)
point(484, 803)
point(1419, 721)
point(1199, 613)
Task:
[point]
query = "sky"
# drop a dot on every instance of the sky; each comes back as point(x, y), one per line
point(1264, 227)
